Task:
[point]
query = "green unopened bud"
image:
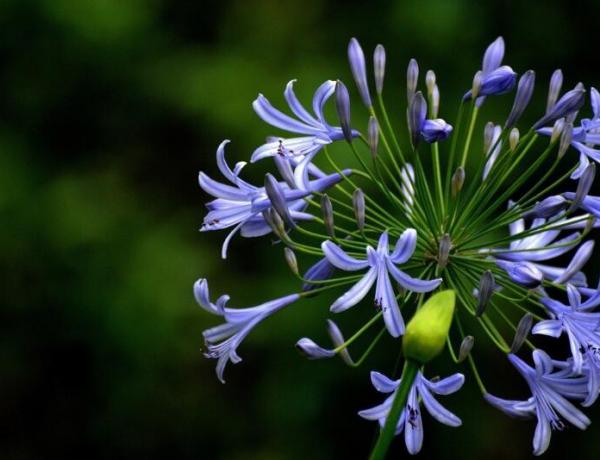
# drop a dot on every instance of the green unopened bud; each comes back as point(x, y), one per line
point(426, 333)
point(513, 139)
point(444, 250)
point(290, 258)
point(476, 84)
point(458, 180)
point(465, 348)
point(327, 209)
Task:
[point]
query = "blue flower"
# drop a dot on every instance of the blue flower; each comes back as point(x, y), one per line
point(495, 79)
point(321, 270)
point(583, 330)
point(550, 391)
point(522, 263)
point(241, 205)
point(380, 264)
point(410, 421)
point(317, 132)
point(222, 341)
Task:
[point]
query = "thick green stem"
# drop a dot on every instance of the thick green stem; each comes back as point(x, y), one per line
point(387, 433)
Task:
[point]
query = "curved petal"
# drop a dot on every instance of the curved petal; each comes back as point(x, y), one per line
point(446, 385)
point(338, 258)
point(437, 411)
point(413, 425)
point(296, 106)
point(405, 247)
point(278, 119)
point(385, 297)
point(382, 383)
point(541, 437)
point(410, 283)
point(356, 293)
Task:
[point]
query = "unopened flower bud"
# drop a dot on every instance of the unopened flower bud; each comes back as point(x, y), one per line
point(358, 203)
point(583, 186)
point(412, 78)
point(513, 139)
point(277, 199)
point(373, 133)
point(476, 87)
point(458, 180)
point(571, 102)
point(488, 136)
point(426, 333)
point(327, 209)
point(342, 105)
point(274, 221)
point(290, 258)
point(487, 284)
point(430, 81)
point(379, 67)
point(417, 112)
point(435, 101)
point(522, 97)
point(556, 82)
point(435, 130)
point(465, 348)
point(548, 207)
point(338, 340)
point(523, 329)
point(557, 129)
point(285, 170)
point(565, 139)
point(444, 250)
point(359, 70)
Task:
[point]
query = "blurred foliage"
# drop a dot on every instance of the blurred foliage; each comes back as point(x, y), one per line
point(108, 109)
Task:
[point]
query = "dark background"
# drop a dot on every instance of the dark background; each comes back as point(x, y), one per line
point(108, 110)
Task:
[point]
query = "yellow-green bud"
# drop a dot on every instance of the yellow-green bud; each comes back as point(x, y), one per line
point(426, 332)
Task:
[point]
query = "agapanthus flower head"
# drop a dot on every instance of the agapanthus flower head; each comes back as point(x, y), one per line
point(463, 245)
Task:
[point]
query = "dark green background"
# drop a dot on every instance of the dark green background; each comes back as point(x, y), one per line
point(108, 110)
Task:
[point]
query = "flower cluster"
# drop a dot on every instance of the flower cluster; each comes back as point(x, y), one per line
point(502, 231)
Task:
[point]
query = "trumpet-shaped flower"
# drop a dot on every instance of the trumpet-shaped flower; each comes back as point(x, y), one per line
point(380, 264)
point(550, 391)
point(315, 130)
point(521, 260)
point(241, 204)
point(222, 341)
point(410, 421)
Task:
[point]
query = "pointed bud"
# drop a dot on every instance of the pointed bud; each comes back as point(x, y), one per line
point(358, 203)
point(290, 258)
point(277, 199)
point(435, 102)
point(327, 209)
point(338, 340)
point(513, 139)
point(359, 70)
point(487, 284)
point(417, 112)
point(285, 170)
point(373, 133)
point(412, 78)
point(557, 129)
point(426, 333)
point(571, 102)
point(565, 139)
point(522, 98)
point(583, 186)
point(342, 105)
point(465, 348)
point(458, 180)
point(430, 82)
point(556, 82)
point(523, 329)
point(274, 221)
point(379, 67)
point(488, 136)
point(476, 87)
point(444, 250)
